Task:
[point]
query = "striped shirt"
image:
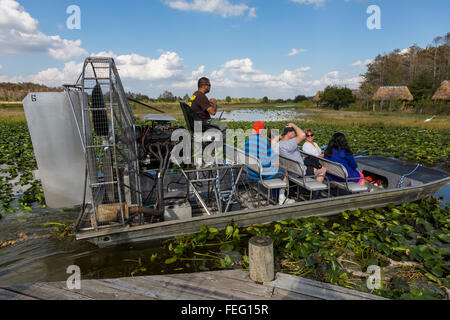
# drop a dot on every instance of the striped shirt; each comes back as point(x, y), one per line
point(258, 147)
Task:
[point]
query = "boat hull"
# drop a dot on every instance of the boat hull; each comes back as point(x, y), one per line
point(244, 218)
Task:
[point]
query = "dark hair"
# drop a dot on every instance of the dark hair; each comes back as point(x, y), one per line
point(337, 142)
point(202, 82)
point(287, 130)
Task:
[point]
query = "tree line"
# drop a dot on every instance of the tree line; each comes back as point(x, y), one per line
point(414, 67)
point(422, 70)
point(18, 91)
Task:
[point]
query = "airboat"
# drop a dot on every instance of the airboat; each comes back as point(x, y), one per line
point(122, 172)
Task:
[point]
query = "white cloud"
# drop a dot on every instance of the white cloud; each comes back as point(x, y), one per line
point(134, 66)
point(361, 64)
point(404, 51)
point(1, 67)
point(240, 66)
point(52, 77)
point(19, 33)
point(252, 13)
point(334, 78)
point(317, 3)
point(221, 7)
point(295, 52)
point(131, 66)
point(198, 73)
point(240, 73)
point(234, 77)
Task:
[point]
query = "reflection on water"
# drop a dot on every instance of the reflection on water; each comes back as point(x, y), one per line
point(47, 260)
point(445, 193)
point(252, 115)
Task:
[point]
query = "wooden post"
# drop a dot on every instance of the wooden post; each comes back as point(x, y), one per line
point(261, 260)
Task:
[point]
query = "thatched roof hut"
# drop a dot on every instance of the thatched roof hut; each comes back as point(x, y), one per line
point(393, 93)
point(443, 92)
point(318, 96)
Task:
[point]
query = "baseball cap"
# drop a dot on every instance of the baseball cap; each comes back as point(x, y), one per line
point(258, 126)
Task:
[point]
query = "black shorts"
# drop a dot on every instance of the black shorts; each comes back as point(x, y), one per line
point(309, 171)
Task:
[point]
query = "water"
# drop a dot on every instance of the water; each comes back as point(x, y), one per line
point(47, 259)
point(445, 193)
point(251, 115)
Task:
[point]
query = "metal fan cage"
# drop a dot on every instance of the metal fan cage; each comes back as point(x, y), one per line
point(110, 143)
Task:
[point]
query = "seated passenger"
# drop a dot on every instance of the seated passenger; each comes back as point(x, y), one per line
point(310, 147)
point(289, 144)
point(259, 147)
point(339, 151)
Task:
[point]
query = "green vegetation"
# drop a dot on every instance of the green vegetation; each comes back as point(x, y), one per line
point(405, 67)
point(425, 146)
point(421, 69)
point(429, 147)
point(17, 159)
point(409, 242)
point(338, 98)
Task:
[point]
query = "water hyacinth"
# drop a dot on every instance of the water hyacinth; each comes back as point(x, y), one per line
point(409, 242)
point(425, 146)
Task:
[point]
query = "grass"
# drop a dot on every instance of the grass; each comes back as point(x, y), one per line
point(14, 111)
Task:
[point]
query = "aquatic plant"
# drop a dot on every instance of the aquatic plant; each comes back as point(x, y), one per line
point(409, 242)
point(60, 230)
point(426, 146)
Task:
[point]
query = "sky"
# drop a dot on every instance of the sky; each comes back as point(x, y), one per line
point(247, 48)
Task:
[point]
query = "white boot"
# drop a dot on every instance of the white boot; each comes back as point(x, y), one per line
point(283, 200)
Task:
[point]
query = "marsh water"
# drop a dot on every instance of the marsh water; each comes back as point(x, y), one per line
point(47, 258)
point(281, 113)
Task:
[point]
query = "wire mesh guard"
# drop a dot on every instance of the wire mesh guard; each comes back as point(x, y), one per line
point(109, 138)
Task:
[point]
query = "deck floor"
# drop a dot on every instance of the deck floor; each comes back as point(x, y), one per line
point(218, 285)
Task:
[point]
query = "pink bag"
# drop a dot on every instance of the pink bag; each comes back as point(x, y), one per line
point(361, 182)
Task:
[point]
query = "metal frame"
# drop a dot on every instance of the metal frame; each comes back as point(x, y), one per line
point(341, 173)
point(112, 152)
point(294, 167)
point(255, 165)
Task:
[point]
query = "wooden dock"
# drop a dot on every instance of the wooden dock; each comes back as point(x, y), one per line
point(219, 285)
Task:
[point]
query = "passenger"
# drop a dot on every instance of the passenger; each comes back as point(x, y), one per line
point(339, 151)
point(310, 147)
point(259, 147)
point(206, 108)
point(292, 137)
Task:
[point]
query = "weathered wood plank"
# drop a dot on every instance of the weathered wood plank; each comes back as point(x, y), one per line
point(225, 287)
point(318, 289)
point(152, 289)
point(281, 294)
point(216, 285)
point(44, 291)
point(11, 295)
point(97, 290)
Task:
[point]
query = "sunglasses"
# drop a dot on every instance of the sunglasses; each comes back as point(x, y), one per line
point(309, 135)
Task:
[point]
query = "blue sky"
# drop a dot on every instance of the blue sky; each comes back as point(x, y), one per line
point(248, 48)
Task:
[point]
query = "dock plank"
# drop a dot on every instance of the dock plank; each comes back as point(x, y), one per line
point(282, 294)
point(216, 285)
point(45, 291)
point(152, 289)
point(11, 295)
point(316, 289)
point(240, 287)
point(98, 290)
